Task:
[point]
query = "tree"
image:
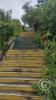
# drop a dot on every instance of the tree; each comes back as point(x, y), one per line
point(27, 7)
point(5, 15)
point(44, 15)
point(28, 17)
point(49, 18)
point(33, 17)
point(8, 27)
point(17, 27)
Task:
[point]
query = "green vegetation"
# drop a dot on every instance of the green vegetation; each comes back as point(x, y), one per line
point(17, 27)
point(50, 71)
point(45, 17)
point(8, 28)
point(38, 40)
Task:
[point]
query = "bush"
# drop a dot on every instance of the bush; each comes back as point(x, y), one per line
point(50, 71)
point(38, 40)
point(6, 31)
point(8, 28)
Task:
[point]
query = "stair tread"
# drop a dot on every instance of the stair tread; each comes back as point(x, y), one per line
point(14, 96)
point(18, 69)
point(22, 65)
point(25, 59)
point(21, 74)
point(27, 88)
point(18, 80)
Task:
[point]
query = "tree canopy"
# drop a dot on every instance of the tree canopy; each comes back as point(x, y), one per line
point(44, 15)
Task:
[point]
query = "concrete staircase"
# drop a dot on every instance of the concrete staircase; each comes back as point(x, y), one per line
point(18, 71)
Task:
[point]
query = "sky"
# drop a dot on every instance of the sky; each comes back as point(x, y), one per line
point(16, 6)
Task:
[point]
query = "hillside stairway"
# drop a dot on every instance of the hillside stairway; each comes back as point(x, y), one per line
point(19, 69)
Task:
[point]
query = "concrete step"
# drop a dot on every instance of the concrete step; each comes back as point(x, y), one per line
point(14, 96)
point(8, 64)
point(22, 69)
point(19, 80)
point(24, 61)
point(21, 74)
point(38, 51)
point(17, 88)
point(22, 57)
point(27, 34)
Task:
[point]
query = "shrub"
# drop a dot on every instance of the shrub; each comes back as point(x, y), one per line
point(38, 40)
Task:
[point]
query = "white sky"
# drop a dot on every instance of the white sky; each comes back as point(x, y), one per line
point(16, 6)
